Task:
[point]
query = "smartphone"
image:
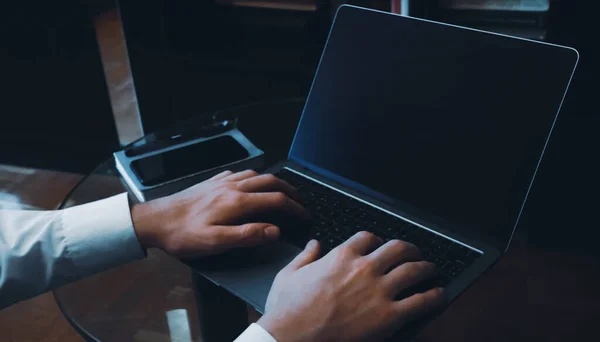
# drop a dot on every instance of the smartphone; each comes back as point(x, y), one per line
point(188, 160)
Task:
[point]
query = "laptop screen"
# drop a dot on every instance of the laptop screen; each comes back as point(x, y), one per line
point(449, 121)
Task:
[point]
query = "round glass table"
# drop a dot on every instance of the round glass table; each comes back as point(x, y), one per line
point(159, 298)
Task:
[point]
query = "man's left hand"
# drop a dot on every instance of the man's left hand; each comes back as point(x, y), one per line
point(204, 219)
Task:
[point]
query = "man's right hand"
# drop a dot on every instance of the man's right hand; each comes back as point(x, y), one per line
point(349, 294)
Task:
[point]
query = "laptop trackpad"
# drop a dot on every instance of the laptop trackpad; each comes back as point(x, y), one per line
point(248, 273)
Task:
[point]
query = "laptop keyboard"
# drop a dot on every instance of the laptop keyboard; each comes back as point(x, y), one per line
point(336, 217)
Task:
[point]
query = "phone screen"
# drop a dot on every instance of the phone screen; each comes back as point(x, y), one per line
point(188, 160)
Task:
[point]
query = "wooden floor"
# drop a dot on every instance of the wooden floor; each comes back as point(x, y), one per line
point(118, 76)
point(38, 319)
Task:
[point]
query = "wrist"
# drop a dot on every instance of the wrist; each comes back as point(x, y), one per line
point(144, 224)
point(286, 331)
point(271, 326)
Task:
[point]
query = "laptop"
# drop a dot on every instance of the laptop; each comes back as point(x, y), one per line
point(413, 130)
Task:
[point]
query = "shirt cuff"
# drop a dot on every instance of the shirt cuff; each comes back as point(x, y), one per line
point(255, 333)
point(100, 235)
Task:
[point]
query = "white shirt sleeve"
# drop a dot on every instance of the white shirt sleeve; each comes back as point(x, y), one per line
point(41, 250)
point(255, 333)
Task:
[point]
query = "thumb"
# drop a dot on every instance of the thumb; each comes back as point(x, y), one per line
point(307, 256)
point(246, 235)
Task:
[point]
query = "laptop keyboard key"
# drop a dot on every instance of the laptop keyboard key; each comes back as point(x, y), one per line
point(346, 220)
point(404, 236)
point(311, 195)
point(359, 226)
point(323, 199)
point(320, 209)
point(452, 270)
point(336, 230)
point(324, 223)
point(378, 229)
point(349, 210)
point(439, 262)
point(365, 217)
point(317, 235)
point(335, 204)
point(332, 241)
point(456, 257)
point(332, 214)
point(389, 231)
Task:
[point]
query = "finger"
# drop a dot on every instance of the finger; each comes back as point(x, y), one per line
point(393, 253)
point(408, 275)
point(363, 242)
point(221, 175)
point(246, 235)
point(307, 256)
point(419, 304)
point(269, 183)
point(241, 175)
point(257, 203)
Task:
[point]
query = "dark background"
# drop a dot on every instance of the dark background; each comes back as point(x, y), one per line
point(55, 108)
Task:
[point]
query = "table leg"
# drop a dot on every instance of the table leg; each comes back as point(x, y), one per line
point(223, 317)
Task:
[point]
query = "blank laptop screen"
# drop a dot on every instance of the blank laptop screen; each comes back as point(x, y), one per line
point(447, 120)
